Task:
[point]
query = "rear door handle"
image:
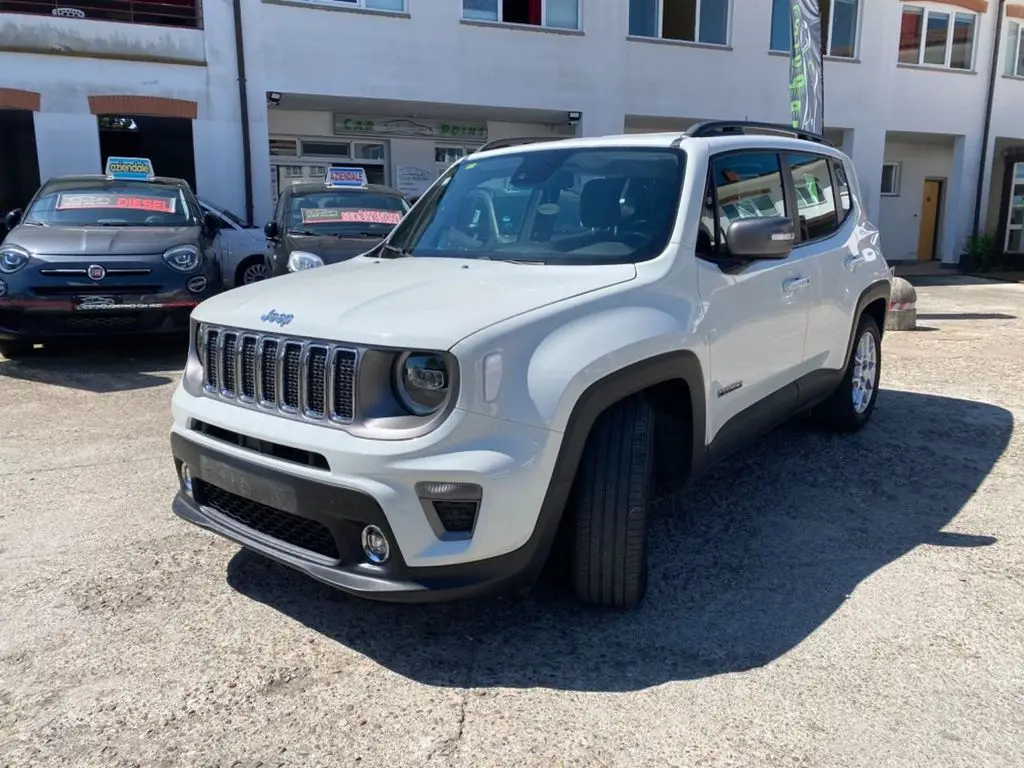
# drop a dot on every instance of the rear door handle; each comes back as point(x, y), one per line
point(794, 284)
point(852, 262)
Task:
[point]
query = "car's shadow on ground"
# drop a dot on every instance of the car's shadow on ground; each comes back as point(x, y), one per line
point(101, 365)
point(757, 556)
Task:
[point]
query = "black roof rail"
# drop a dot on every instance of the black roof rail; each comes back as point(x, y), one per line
point(720, 127)
point(515, 142)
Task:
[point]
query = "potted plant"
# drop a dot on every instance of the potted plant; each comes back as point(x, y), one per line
point(979, 253)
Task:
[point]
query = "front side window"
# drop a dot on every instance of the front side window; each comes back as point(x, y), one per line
point(558, 14)
point(550, 206)
point(342, 212)
point(839, 26)
point(937, 38)
point(111, 203)
point(815, 199)
point(701, 21)
point(1013, 60)
point(745, 185)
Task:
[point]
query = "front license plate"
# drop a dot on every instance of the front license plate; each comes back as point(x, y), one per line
point(248, 486)
point(97, 303)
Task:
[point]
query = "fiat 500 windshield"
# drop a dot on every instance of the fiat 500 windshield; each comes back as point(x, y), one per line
point(555, 206)
point(111, 203)
point(344, 211)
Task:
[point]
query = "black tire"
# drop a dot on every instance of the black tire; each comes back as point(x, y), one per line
point(248, 262)
point(13, 350)
point(610, 499)
point(838, 413)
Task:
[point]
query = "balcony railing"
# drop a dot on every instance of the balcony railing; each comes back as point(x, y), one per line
point(167, 13)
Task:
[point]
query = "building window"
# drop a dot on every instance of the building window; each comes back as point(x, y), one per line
point(839, 26)
point(701, 21)
point(1014, 58)
point(937, 38)
point(891, 179)
point(397, 6)
point(176, 13)
point(557, 14)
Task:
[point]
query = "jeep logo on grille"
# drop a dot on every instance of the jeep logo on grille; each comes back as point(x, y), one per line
point(273, 316)
point(95, 272)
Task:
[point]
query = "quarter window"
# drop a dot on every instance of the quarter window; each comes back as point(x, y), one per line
point(815, 199)
point(937, 38)
point(702, 21)
point(557, 14)
point(745, 185)
point(839, 21)
point(842, 190)
point(1013, 64)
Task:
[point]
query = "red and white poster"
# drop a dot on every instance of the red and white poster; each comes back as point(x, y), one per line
point(82, 201)
point(349, 216)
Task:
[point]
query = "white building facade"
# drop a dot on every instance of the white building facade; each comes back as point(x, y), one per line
point(403, 87)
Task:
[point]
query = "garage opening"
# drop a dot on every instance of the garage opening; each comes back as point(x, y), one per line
point(19, 163)
point(167, 141)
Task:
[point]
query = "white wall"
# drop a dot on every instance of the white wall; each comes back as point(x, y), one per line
point(900, 216)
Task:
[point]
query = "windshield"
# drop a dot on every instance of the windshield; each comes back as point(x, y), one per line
point(224, 212)
point(334, 211)
point(556, 206)
point(113, 203)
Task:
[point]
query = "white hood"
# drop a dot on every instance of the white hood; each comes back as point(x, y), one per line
point(410, 302)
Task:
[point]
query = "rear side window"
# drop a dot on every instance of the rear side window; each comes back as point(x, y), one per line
point(815, 198)
point(742, 185)
point(842, 187)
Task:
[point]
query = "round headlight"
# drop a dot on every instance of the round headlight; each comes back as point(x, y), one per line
point(183, 258)
point(299, 260)
point(422, 382)
point(12, 259)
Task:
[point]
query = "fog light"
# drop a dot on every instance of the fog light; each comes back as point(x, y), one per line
point(186, 479)
point(3, 288)
point(197, 284)
point(375, 544)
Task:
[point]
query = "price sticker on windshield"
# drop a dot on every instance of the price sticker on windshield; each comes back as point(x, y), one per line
point(79, 202)
point(349, 216)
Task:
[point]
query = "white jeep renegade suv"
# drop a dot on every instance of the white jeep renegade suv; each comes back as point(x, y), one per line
point(554, 333)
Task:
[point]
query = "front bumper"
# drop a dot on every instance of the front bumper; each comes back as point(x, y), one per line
point(311, 518)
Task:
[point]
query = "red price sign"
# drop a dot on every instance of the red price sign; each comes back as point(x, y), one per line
point(348, 216)
point(77, 202)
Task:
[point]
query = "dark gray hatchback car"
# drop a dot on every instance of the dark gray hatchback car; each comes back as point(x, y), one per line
point(96, 255)
point(316, 224)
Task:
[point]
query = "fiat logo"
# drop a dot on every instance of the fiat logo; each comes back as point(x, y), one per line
point(95, 272)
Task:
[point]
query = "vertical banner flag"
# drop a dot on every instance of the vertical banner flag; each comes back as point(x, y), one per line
point(806, 82)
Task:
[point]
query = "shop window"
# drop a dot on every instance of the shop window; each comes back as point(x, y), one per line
point(839, 27)
point(558, 14)
point(1013, 64)
point(937, 38)
point(702, 21)
point(891, 179)
point(1015, 217)
point(369, 152)
point(326, 149)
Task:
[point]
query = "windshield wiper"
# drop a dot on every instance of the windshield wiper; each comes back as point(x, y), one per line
point(307, 232)
point(399, 252)
point(34, 223)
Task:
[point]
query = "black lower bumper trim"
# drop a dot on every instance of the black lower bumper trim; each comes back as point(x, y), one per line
point(341, 512)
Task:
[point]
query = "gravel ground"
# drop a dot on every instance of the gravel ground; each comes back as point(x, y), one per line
point(818, 601)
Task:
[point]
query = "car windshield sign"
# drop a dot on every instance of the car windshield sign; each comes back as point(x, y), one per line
point(608, 205)
point(339, 177)
point(134, 168)
point(110, 203)
point(344, 211)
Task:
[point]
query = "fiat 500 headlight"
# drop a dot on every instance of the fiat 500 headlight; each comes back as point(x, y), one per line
point(12, 259)
point(299, 260)
point(183, 258)
point(422, 382)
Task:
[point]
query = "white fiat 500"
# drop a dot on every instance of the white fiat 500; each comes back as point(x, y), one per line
point(556, 332)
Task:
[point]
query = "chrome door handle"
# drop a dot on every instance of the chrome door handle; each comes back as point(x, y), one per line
point(794, 284)
point(852, 262)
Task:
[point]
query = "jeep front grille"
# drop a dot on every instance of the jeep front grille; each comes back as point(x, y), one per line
point(299, 378)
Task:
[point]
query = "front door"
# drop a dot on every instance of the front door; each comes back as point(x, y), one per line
point(929, 220)
point(756, 318)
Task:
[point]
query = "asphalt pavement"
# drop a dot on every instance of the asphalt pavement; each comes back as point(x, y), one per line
point(816, 601)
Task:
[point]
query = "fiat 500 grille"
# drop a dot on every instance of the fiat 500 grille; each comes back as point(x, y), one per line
point(294, 377)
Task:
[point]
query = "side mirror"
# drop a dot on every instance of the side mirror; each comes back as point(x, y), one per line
point(12, 219)
point(760, 238)
point(211, 223)
point(271, 230)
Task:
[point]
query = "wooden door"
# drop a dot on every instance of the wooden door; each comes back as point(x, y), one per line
point(929, 220)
